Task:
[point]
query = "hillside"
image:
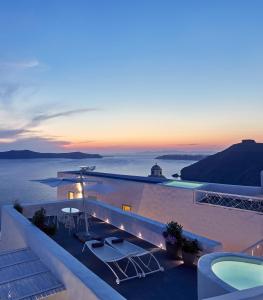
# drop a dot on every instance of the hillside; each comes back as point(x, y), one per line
point(27, 154)
point(239, 164)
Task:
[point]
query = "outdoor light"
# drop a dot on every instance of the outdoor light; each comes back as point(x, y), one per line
point(107, 221)
point(122, 227)
point(161, 246)
point(139, 235)
point(78, 186)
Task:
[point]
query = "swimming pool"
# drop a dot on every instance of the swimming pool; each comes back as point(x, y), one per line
point(225, 272)
point(239, 274)
point(184, 184)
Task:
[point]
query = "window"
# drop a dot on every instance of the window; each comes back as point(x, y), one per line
point(70, 195)
point(126, 207)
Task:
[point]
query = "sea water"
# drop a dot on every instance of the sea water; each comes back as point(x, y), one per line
point(15, 175)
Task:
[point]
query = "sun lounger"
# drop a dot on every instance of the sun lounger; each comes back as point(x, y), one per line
point(112, 258)
point(144, 259)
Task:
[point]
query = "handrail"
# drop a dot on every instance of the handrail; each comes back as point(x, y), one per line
point(249, 198)
point(256, 246)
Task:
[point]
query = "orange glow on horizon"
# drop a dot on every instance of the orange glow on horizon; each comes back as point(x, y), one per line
point(150, 145)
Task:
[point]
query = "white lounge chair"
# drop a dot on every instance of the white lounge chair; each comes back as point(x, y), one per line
point(136, 253)
point(111, 257)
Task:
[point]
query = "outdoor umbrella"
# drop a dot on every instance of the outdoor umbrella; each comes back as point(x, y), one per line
point(99, 187)
point(56, 182)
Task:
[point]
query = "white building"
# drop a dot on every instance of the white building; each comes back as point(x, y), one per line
point(221, 217)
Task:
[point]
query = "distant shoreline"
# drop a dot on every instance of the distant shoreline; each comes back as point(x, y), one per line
point(182, 157)
point(27, 154)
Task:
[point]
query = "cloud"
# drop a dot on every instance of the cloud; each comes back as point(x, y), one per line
point(25, 137)
point(12, 133)
point(7, 92)
point(20, 65)
point(44, 117)
point(12, 85)
point(42, 144)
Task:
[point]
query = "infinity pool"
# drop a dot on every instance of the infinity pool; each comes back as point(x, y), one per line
point(239, 274)
point(184, 184)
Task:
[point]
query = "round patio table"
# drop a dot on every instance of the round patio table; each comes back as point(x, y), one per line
point(69, 217)
point(70, 210)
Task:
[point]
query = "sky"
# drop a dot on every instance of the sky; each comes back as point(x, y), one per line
point(130, 75)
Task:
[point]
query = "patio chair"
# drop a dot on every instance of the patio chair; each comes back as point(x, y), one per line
point(144, 259)
point(81, 219)
point(112, 257)
point(69, 223)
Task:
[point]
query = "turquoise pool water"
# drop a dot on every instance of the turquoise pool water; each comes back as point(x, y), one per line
point(240, 275)
point(184, 184)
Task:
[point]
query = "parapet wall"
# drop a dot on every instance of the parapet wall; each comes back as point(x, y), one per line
point(145, 228)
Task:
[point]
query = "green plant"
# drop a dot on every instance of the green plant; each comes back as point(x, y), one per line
point(39, 221)
point(191, 246)
point(174, 229)
point(39, 218)
point(50, 229)
point(18, 207)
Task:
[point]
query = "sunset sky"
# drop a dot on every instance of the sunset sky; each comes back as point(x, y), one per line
point(130, 74)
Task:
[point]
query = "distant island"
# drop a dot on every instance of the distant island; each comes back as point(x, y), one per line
point(240, 164)
point(27, 154)
point(181, 157)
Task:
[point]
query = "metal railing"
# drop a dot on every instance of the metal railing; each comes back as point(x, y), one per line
point(255, 250)
point(230, 200)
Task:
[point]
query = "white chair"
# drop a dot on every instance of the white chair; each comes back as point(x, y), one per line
point(111, 258)
point(144, 259)
point(69, 222)
point(81, 219)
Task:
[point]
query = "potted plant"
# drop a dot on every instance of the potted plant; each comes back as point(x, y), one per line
point(39, 221)
point(190, 251)
point(173, 240)
point(39, 218)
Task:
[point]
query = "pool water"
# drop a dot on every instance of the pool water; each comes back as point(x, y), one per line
point(238, 274)
point(184, 184)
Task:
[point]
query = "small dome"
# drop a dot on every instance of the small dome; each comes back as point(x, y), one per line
point(156, 167)
point(156, 171)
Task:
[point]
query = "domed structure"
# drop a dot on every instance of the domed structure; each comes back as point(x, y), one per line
point(156, 171)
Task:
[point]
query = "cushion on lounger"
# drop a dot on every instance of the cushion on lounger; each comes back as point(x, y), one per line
point(97, 245)
point(117, 241)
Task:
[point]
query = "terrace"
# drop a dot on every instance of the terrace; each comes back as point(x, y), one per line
point(177, 280)
point(83, 275)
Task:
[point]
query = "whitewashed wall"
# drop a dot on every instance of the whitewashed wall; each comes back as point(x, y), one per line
point(80, 282)
point(235, 229)
point(147, 229)
point(143, 227)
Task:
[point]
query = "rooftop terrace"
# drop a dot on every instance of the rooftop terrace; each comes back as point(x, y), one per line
point(142, 179)
point(177, 281)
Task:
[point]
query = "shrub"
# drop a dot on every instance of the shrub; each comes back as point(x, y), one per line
point(39, 221)
point(191, 246)
point(18, 207)
point(39, 218)
point(173, 232)
point(50, 229)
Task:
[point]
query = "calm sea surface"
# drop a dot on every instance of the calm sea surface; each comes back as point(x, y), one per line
point(15, 175)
